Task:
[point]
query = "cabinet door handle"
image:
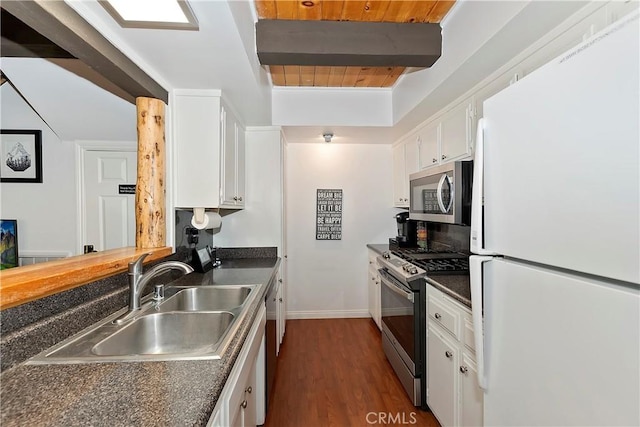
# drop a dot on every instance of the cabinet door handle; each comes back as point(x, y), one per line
point(235, 199)
point(463, 369)
point(280, 299)
point(240, 198)
point(448, 354)
point(249, 390)
point(444, 157)
point(438, 315)
point(434, 160)
point(243, 404)
point(280, 280)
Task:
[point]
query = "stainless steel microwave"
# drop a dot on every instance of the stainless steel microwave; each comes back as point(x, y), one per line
point(442, 193)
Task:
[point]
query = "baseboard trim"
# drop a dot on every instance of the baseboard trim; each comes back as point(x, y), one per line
point(328, 314)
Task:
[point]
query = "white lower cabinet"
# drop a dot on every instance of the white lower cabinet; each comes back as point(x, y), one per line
point(281, 312)
point(442, 362)
point(239, 401)
point(453, 392)
point(374, 291)
point(470, 393)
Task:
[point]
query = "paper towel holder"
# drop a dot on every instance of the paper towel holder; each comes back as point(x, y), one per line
point(205, 220)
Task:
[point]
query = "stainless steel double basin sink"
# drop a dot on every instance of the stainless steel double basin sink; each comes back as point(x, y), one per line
point(190, 323)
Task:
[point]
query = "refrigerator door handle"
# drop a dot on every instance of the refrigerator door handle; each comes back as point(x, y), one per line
point(477, 195)
point(475, 270)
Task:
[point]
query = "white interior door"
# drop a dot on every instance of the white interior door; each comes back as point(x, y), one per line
point(109, 179)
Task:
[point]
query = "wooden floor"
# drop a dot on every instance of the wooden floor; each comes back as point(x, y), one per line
point(333, 372)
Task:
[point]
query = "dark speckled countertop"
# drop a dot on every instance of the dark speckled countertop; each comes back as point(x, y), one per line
point(177, 393)
point(378, 247)
point(457, 286)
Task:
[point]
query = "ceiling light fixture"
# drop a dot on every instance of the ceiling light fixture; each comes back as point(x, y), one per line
point(166, 14)
point(327, 136)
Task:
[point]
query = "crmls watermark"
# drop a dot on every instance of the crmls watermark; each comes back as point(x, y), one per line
point(391, 418)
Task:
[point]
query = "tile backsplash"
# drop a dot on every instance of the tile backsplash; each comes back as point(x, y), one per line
point(448, 237)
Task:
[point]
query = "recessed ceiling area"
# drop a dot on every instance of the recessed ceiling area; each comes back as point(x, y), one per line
point(409, 11)
point(477, 38)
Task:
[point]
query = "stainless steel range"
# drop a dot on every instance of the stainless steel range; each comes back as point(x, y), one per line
point(403, 308)
point(404, 313)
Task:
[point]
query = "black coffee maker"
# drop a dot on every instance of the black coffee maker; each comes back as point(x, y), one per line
point(407, 231)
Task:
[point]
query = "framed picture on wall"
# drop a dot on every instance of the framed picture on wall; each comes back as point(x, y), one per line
point(21, 152)
point(8, 243)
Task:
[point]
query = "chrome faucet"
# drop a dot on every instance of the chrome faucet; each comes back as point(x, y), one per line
point(139, 280)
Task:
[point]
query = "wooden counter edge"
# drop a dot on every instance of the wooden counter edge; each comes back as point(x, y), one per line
point(23, 284)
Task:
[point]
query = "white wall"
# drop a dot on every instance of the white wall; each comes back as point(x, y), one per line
point(46, 212)
point(260, 222)
point(329, 278)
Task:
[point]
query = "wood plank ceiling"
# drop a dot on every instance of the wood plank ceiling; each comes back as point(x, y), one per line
point(347, 10)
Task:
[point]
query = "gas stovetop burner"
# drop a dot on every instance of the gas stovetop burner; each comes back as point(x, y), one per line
point(444, 265)
point(418, 255)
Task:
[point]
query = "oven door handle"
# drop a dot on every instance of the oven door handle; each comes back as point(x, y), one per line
point(397, 290)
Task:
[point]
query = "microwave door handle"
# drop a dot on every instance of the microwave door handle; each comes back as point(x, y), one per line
point(439, 193)
point(451, 193)
point(407, 295)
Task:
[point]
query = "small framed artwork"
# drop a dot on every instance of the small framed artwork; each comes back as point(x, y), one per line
point(8, 243)
point(21, 152)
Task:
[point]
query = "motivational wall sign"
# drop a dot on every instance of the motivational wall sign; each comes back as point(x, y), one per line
point(329, 214)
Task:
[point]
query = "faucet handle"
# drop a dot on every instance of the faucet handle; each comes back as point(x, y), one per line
point(135, 267)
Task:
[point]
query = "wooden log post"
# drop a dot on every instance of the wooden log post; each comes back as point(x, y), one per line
point(150, 190)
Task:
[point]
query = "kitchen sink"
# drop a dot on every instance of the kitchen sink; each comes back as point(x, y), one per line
point(191, 323)
point(212, 298)
point(167, 333)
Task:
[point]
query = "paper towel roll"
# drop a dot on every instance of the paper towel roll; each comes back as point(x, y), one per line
point(205, 220)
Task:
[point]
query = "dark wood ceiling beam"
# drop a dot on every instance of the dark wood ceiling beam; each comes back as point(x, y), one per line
point(347, 43)
point(12, 49)
point(20, 40)
point(59, 23)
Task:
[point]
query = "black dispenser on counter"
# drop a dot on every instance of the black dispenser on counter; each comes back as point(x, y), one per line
point(205, 259)
point(407, 232)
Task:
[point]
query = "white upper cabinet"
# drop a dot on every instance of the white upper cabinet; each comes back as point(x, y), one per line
point(208, 143)
point(411, 156)
point(400, 180)
point(456, 133)
point(233, 166)
point(428, 138)
point(449, 137)
point(405, 162)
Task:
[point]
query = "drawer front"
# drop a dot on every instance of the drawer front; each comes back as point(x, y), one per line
point(444, 316)
point(372, 259)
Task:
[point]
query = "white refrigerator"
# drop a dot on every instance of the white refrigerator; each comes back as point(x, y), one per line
point(556, 235)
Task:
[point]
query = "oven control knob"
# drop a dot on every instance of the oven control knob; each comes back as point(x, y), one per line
point(386, 255)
